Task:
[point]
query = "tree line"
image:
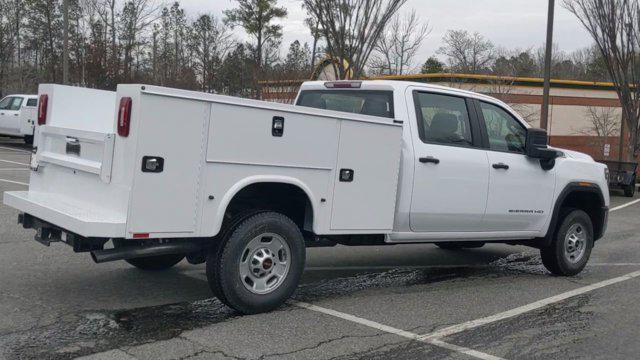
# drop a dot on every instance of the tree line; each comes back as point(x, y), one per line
point(125, 41)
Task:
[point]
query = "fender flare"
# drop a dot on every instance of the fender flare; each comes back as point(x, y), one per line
point(570, 189)
point(251, 180)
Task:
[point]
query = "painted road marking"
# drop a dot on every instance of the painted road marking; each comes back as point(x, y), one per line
point(398, 332)
point(196, 274)
point(625, 205)
point(14, 169)
point(17, 150)
point(14, 182)
point(451, 330)
point(14, 162)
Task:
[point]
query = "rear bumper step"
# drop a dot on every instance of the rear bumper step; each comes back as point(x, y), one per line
point(85, 219)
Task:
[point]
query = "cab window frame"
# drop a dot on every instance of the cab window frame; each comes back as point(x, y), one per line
point(483, 125)
point(474, 128)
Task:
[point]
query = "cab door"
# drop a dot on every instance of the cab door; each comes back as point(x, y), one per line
point(520, 191)
point(451, 175)
point(10, 115)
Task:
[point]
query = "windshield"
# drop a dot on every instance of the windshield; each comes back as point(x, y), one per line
point(4, 104)
point(365, 102)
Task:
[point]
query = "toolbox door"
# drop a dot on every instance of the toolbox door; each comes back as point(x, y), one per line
point(169, 158)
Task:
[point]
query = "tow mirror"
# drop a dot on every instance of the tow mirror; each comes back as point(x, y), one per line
point(537, 147)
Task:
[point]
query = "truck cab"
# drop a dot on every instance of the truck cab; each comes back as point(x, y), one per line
point(18, 116)
point(152, 175)
point(466, 173)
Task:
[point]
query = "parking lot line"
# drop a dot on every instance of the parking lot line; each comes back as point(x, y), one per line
point(372, 324)
point(451, 330)
point(399, 332)
point(13, 162)
point(16, 150)
point(625, 205)
point(14, 182)
point(14, 169)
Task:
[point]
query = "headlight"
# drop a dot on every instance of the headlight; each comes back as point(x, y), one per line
point(606, 174)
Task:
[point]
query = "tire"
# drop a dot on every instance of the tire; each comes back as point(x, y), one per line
point(630, 190)
point(28, 139)
point(460, 245)
point(153, 263)
point(257, 263)
point(563, 258)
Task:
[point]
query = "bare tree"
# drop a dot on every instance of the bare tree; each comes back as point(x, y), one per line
point(467, 53)
point(351, 29)
point(211, 41)
point(614, 26)
point(399, 45)
point(136, 17)
point(603, 125)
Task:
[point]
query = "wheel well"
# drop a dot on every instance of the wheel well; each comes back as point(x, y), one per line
point(288, 199)
point(590, 202)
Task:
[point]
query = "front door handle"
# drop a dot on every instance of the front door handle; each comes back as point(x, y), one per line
point(16, 114)
point(501, 166)
point(429, 159)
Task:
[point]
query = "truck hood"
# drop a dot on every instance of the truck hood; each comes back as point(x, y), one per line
point(574, 154)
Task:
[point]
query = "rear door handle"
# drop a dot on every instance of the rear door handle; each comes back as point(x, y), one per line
point(429, 159)
point(501, 166)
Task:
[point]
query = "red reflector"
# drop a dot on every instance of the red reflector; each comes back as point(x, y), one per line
point(42, 109)
point(124, 117)
point(140, 235)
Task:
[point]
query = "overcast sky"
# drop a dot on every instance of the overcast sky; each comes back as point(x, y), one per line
point(512, 24)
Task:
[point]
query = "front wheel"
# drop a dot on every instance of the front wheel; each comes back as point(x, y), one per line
point(258, 263)
point(571, 245)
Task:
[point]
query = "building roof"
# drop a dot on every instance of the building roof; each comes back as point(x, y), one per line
point(473, 78)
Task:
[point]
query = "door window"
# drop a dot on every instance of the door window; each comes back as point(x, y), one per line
point(443, 119)
point(15, 104)
point(504, 131)
point(32, 102)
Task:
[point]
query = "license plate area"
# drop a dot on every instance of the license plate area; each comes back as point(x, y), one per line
point(73, 146)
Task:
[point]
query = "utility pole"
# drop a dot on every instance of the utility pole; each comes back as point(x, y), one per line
point(65, 42)
point(544, 113)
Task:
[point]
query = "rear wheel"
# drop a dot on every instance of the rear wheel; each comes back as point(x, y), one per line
point(152, 263)
point(459, 245)
point(28, 139)
point(571, 245)
point(258, 262)
point(630, 190)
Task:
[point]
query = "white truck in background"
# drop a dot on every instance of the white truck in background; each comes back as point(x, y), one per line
point(152, 175)
point(18, 114)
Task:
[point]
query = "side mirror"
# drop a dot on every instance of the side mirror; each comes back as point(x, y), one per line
point(537, 147)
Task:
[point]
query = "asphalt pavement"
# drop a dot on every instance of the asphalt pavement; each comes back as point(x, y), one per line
point(394, 302)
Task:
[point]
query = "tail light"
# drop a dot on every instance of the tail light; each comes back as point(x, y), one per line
point(42, 109)
point(124, 116)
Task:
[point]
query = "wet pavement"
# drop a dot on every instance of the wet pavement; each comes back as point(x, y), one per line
point(55, 304)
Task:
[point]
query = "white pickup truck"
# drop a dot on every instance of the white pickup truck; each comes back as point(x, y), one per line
point(18, 116)
point(152, 175)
